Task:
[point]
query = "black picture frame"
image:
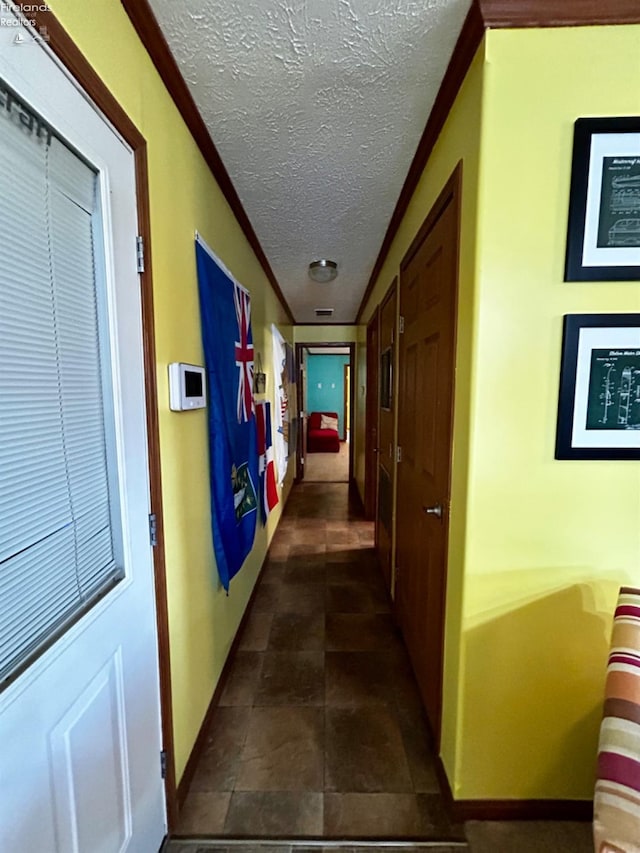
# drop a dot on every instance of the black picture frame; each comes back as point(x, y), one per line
point(603, 234)
point(599, 386)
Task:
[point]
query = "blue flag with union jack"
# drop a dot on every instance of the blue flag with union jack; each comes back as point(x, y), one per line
point(225, 311)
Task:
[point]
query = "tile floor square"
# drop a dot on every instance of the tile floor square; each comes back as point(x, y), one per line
point(283, 750)
point(291, 678)
point(278, 814)
point(297, 632)
point(364, 751)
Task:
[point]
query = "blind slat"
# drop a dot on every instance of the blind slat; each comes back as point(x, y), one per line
point(56, 506)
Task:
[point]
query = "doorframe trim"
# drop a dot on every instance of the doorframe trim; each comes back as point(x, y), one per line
point(482, 16)
point(452, 190)
point(393, 292)
point(65, 49)
point(352, 361)
point(346, 399)
point(371, 463)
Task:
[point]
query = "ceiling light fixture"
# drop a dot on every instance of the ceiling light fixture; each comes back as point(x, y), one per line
point(323, 270)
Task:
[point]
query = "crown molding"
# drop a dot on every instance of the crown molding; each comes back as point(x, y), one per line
point(500, 14)
point(484, 15)
point(468, 42)
point(146, 26)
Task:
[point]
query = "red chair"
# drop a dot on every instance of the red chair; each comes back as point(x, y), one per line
point(322, 440)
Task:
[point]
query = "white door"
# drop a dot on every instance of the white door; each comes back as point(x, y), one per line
point(80, 734)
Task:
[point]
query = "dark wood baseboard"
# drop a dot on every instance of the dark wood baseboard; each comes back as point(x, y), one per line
point(463, 810)
point(201, 740)
point(578, 810)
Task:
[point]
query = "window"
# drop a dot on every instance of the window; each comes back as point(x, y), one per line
point(60, 544)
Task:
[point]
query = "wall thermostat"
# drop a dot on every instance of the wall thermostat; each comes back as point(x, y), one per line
point(187, 387)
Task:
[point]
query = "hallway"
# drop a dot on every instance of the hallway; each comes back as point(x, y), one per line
point(319, 732)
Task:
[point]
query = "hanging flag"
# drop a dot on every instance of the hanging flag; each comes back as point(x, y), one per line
point(268, 490)
point(225, 312)
point(281, 383)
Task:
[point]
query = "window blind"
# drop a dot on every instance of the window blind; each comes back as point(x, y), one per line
point(56, 534)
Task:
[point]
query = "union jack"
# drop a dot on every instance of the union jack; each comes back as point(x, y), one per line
point(244, 354)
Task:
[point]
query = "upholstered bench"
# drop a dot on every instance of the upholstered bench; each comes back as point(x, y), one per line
point(617, 795)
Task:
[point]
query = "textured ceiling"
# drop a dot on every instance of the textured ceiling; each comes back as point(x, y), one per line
point(316, 108)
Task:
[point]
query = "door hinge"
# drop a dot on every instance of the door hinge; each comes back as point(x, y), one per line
point(153, 529)
point(399, 454)
point(401, 325)
point(163, 764)
point(140, 253)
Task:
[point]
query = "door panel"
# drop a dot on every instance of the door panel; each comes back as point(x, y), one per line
point(100, 707)
point(428, 289)
point(80, 728)
point(386, 439)
point(426, 448)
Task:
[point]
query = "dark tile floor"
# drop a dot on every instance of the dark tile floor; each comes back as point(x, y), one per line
point(319, 732)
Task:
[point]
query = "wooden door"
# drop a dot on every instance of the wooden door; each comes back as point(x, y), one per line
point(428, 290)
point(371, 416)
point(386, 443)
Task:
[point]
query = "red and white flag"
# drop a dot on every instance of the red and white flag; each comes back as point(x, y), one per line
point(268, 489)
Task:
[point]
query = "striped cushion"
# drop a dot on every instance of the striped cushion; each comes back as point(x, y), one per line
point(617, 795)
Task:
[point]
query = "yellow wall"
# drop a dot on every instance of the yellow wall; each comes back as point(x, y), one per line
point(459, 140)
point(548, 542)
point(538, 547)
point(325, 334)
point(184, 197)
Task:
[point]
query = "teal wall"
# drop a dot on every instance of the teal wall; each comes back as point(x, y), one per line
point(327, 371)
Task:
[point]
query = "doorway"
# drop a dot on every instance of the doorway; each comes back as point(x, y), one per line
point(325, 403)
point(68, 711)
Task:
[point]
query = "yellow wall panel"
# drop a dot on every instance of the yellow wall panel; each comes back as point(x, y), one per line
point(549, 542)
point(325, 334)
